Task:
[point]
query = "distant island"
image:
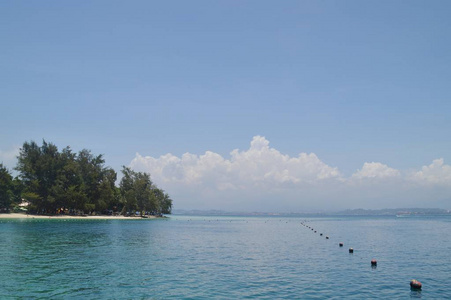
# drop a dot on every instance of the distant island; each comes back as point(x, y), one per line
point(64, 183)
point(395, 211)
point(348, 212)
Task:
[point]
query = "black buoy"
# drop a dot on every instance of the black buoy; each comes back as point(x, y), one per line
point(327, 237)
point(351, 250)
point(321, 234)
point(415, 284)
point(341, 244)
point(315, 231)
point(374, 262)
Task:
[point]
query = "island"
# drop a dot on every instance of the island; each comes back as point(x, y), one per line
point(53, 183)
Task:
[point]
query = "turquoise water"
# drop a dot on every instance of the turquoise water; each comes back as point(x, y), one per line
point(225, 258)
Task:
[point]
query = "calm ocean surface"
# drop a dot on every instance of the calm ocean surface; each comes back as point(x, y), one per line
point(188, 257)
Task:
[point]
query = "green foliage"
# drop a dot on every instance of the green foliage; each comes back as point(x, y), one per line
point(140, 194)
point(53, 180)
point(18, 188)
point(166, 204)
point(6, 188)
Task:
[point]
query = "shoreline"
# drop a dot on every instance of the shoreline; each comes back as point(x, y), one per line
point(65, 217)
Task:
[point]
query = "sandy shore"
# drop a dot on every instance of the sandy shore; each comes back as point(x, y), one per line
point(25, 216)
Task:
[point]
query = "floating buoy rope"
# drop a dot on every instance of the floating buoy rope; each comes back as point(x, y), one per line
point(414, 284)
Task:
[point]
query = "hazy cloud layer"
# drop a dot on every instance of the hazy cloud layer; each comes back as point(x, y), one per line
point(261, 179)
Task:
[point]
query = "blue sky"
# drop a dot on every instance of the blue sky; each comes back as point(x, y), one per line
point(353, 82)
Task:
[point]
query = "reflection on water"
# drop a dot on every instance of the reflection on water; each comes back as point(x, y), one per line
point(415, 294)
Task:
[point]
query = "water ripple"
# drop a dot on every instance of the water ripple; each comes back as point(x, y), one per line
point(224, 258)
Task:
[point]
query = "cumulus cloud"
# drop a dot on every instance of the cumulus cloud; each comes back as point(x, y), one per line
point(376, 170)
point(436, 173)
point(263, 178)
point(259, 166)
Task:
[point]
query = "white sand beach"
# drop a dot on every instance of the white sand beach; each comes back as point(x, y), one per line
point(25, 216)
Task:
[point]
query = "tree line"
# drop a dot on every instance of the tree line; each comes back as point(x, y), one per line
point(54, 181)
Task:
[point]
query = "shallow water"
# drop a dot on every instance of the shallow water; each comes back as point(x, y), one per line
point(188, 257)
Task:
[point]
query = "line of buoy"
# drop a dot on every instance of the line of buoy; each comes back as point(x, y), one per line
point(414, 284)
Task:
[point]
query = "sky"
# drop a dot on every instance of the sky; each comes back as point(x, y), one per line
point(240, 105)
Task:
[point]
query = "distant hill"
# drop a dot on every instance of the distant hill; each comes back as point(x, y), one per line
point(394, 211)
point(347, 212)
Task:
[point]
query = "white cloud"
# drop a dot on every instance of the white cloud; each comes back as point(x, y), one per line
point(376, 170)
point(436, 173)
point(262, 178)
point(260, 166)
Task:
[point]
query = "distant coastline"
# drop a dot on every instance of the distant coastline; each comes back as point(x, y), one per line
point(67, 217)
point(396, 211)
point(348, 212)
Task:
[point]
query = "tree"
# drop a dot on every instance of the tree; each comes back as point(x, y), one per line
point(53, 180)
point(139, 193)
point(18, 188)
point(67, 186)
point(127, 190)
point(38, 167)
point(6, 188)
point(97, 181)
point(166, 204)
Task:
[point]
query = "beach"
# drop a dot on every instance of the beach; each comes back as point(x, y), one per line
point(102, 217)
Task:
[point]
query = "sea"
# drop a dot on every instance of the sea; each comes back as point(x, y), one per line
point(226, 257)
